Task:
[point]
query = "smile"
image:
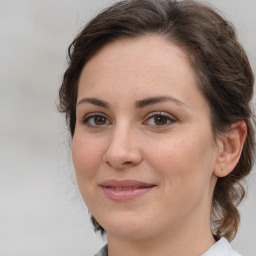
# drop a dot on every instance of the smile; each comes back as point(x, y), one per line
point(125, 190)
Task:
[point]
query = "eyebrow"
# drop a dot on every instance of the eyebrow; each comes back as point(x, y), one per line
point(154, 100)
point(94, 101)
point(139, 104)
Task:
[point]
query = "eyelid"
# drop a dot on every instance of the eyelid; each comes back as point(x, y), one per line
point(86, 117)
point(159, 113)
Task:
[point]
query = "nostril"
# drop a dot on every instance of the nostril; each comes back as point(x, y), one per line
point(121, 159)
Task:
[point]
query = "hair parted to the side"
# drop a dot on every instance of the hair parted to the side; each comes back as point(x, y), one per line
point(224, 77)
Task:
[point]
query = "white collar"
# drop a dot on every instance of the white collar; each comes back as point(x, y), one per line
point(221, 248)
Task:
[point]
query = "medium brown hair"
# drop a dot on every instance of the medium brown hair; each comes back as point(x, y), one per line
point(224, 77)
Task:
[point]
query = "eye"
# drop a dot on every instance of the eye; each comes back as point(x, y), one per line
point(95, 120)
point(159, 119)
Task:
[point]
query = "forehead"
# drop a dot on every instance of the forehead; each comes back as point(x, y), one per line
point(149, 53)
point(141, 66)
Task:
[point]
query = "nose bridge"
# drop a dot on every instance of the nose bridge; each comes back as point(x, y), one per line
point(120, 132)
point(122, 149)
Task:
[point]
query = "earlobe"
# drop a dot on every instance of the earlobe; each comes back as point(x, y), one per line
point(230, 148)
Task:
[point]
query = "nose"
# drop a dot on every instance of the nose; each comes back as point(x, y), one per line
point(122, 151)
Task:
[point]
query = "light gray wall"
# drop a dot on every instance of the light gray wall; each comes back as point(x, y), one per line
point(41, 212)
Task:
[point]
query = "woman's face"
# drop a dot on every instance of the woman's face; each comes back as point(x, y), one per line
point(143, 148)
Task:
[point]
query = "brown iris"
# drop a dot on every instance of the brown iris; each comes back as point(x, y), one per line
point(99, 120)
point(160, 120)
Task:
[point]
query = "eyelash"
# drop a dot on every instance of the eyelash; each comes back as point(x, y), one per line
point(169, 119)
point(87, 118)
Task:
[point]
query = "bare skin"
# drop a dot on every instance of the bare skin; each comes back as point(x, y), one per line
point(141, 116)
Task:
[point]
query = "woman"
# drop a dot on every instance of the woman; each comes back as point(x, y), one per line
point(156, 97)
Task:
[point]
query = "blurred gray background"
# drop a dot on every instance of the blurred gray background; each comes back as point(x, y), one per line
point(41, 212)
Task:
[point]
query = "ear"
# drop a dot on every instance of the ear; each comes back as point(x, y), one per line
point(230, 146)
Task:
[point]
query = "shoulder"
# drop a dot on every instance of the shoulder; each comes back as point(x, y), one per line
point(221, 248)
point(103, 251)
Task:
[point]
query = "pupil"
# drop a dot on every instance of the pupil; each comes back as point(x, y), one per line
point(99, 120)
point(160, 120)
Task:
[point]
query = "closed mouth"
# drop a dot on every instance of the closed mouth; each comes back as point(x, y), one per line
point(128, 188)
point(131, 184)
point(124, 190)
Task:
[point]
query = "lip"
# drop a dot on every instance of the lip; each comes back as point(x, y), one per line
point(124, 190)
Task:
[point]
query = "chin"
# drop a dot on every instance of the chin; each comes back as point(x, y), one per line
point(128, 227)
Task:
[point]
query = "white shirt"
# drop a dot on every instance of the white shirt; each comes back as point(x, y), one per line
point(220, 248)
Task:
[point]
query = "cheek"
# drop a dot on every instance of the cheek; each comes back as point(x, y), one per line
point(185, 171)
point(184, 162)
point(87, 158)
point(86, 155)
